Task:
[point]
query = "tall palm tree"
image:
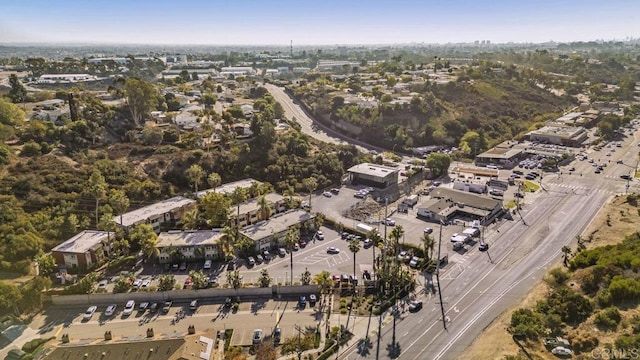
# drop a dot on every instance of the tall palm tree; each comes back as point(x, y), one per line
point(214, 180)
point(195, 173)
point(428, 242)
point(265, 208)
point(119, 202)
point(311, 184)
point(238, 195)
point(98, 188)
point(396, 234)
point(290, 239)
point(354, 247)
point(376, 239)
point(227, 240)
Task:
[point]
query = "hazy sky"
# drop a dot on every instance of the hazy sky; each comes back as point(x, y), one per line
point(315, 22)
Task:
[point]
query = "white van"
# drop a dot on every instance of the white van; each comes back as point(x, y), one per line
point(493, 167)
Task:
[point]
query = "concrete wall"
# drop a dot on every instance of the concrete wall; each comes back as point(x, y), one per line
point(211, 295)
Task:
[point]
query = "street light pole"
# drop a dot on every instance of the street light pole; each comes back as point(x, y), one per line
point(444, 321)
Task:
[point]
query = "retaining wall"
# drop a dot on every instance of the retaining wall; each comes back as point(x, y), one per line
point(212, 295)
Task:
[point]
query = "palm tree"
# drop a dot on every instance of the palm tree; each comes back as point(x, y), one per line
point(227, 240)
point(324, 281)
point(318, 221)
point(98, 189)
point(238, 195)
point(311, 185)
point(191, 220)
point(149, 248)
point(214, 180)
point(375, 238)
point(566, 252)
point(289, 193)
point(396, 234)
point(119, 202)
point(354, 247)
point(195, 173)
point(290, 240)
point(428, 243)
point(265, 208)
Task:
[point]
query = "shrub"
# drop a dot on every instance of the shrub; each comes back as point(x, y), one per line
point(608, 319)
point(33, 345)
point(557, 276)
point(527, 323)
point(584, 343)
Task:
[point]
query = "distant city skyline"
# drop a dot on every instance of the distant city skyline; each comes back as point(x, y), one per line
point(330, 22)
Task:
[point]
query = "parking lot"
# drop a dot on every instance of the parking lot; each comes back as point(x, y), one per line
point(263, 314)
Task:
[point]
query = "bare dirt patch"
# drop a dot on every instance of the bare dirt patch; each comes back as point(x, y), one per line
point(611, 224)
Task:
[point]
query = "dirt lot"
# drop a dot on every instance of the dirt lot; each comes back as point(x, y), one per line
point(611, 224)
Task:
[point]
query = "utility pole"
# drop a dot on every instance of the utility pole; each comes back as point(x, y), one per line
point(299, 343)
point(444, 320)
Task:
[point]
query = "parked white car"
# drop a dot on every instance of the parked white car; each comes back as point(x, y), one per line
point(89, 313)
point(111, 309)
point(128, 308)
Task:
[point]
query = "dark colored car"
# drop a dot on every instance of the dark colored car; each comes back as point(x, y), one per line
point(154, 307)
point(302, 302)
point(415, 306)
point(277, 335)
point(483, 247)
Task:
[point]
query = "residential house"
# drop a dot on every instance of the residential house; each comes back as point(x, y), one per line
point(188, 245)
point(271, 233)
point(166, 211)
point(83, 250)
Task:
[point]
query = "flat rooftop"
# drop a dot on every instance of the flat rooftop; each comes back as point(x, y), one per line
point(501, 153)
point(466, 198)
point(188, 238)
point(372, 169)
point(157, 209)
point(276, 224)
point(252, 204)
point(83, 242)
point(229, 188)
point(560, 131)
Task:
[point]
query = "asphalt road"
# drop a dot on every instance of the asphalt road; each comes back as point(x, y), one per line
point(479, 286)
point(309, 126)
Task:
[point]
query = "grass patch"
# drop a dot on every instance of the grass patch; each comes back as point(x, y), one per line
point(638, 173)
point(530, 186)
point(227, 338)
point(511, 204)
point(488, 90)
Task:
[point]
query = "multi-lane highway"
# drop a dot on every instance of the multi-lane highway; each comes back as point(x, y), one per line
point(478, 290)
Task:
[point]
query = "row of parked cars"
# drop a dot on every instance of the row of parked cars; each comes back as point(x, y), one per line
point(130, 307)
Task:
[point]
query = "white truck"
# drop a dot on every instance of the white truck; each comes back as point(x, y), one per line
point(473, 232)
point(364, 228)
point(410, 201)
